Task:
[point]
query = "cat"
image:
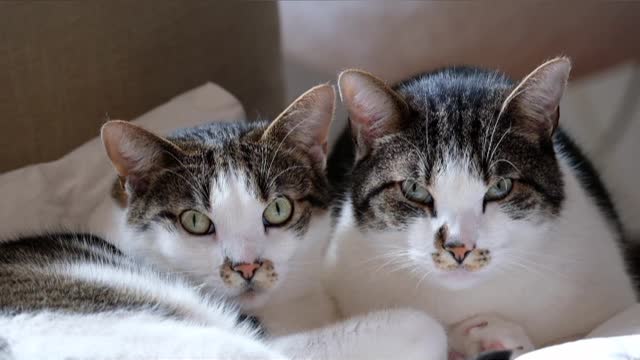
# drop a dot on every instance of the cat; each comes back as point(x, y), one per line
point(77, 296)
point(205, 234)
point(462, 197)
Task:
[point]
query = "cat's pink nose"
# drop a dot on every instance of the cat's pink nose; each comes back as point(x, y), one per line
point(247, 270)
point(458, 251)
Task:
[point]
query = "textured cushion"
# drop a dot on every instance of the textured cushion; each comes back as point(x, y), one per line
point(64, 192)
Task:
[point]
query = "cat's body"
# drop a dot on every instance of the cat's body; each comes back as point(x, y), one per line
point(546, 252)
point(92, 301)
point(220, 214)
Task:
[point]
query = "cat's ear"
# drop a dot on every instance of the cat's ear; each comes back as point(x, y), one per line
point(305, 123)
point(535, 101)
point(375, 110)
point(136, 153)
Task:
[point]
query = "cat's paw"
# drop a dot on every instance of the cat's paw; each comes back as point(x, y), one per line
point(485, 334)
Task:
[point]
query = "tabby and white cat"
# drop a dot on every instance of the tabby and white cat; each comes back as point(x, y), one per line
point(463, 198)
point(233, 212)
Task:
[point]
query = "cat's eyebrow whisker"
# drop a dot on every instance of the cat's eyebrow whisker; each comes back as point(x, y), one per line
point(282, 142)
point(416, 149)
point(506, 161)
point(284, 171)
point(498, 144)
point(180, 162)
point(502, 109)
point(193, 183)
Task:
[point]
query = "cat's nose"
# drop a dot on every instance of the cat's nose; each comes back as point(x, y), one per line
point(458, 250)
point(247, 270)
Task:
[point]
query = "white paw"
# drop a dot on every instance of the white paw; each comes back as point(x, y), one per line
point(486, 333)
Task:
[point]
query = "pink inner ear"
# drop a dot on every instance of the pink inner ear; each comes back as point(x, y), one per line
point(319, 153)
point(369, 125)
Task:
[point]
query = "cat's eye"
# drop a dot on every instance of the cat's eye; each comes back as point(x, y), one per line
point(416, 192)
point(278, 212)
point(196, 223)
point(499, 190)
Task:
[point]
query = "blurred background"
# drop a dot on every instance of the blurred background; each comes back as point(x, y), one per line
point(65, 66)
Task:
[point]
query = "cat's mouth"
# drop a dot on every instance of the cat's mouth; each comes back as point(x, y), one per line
point(261, 280)
point(476, 260)
point(249, 293)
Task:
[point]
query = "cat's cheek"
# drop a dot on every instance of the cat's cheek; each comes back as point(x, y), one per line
point(496, 230)
point(420, 242)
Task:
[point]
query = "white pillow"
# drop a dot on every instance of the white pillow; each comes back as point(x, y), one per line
point(63, 193)
point(617, 338)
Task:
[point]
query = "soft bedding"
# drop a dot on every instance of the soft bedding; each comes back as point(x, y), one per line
point(64, 192)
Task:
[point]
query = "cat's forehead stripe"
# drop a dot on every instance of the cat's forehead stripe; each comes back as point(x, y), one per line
point(223, 156)
point(453, 131)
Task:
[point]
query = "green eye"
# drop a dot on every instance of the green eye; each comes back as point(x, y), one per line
point(416, 192)
point(277, 212)
point(196, 223)
point(499, 190)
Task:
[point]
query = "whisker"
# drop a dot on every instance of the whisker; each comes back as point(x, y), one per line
point(498, 144)
point(282, 142)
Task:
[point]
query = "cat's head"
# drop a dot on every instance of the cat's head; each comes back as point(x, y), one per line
point(227, 204)
point(455, 170)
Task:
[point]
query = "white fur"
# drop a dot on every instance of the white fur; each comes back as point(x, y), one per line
point(558, 280)
point(118, 336)
point(210, 330)
point(389, 334)
point(237, 215)
point(296, 313)
point(143, 335)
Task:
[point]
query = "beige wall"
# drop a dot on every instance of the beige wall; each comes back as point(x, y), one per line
point(67, 65)
point(398, 39)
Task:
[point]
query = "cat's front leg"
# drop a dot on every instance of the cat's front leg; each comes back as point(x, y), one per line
point(487, 336)
point(389, 334)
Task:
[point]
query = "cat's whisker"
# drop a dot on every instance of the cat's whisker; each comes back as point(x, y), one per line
point(293, 128)
point(386, 264)
point(537, 267)
point(380, 257)
point(416, 150)
point(424, 277)
point(498, 144)
point(198, 185)
point(534, 254)
point(283, 172)
point(511, 96)
point(506, 161)
point(399, 259)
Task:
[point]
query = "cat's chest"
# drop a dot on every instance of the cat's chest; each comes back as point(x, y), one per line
point(312, 310)
point(551, 302)
point(549, 306)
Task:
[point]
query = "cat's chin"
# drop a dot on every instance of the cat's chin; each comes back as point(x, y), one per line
point(459, 279)
point(252, 299)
